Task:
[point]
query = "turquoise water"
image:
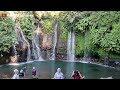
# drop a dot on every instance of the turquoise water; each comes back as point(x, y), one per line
point(47, 69)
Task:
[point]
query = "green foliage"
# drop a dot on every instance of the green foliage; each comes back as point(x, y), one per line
point(69, 16)
point(63, 29)
point(97, 30)
point(47, 24)
point(105, 31)
point(26, 23)
point(111, 41)
point(23, 12)
point(48, 21)
point(7, 34)
point(83, 22)
point(1, 12)
point(79, 43)
point(100, 51)
point(114, 55)
point(103, 28)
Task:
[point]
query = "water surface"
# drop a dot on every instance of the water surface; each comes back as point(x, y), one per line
point(47, 69)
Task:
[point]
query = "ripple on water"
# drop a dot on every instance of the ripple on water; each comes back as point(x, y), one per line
point(1, 65)
point(17, 64)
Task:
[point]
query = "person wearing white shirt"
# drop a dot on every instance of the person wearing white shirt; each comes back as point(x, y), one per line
point(58, 74)
point(16, 75)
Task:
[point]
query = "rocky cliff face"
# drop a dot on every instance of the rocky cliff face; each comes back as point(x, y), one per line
point(46, 45)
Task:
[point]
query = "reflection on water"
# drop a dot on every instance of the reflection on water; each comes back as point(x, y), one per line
point(47, 69)
point(52, 69)
point(69, 68)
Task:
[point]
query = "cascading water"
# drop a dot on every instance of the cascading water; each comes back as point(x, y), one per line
point(14, 50)
point(71, 46)
point(36, 52)
point(54, 41)
point(20, 35)
point(1, 55)
point(21, 38)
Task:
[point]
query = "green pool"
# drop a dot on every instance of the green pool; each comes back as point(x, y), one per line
point(46, 70)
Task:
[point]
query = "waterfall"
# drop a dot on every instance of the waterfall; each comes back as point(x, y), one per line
point(14, 50)
point(1, 55)
point(25, 43)
point(36, 52)
point(20, 35)
point(54, 42)
point(71, 46)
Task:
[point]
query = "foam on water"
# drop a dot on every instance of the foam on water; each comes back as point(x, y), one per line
point(17, 64)
point(14, 64)
point(1, 65)
point(29, 62)
point(97, 64)
point(76, 61)
point(84, 62)
point(102, 65)
point(88, 62)
point(69, 61)
point(107, 78)
point(39, 60)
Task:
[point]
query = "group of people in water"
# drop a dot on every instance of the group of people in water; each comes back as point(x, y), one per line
point(75, 75)
point(22, 73)
point(58, 75)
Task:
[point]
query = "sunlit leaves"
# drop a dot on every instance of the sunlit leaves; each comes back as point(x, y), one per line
point(111, 40)
point(103, 27)
point(7, 34)
point(27, 24)
point(47, 25)
point(104, 36)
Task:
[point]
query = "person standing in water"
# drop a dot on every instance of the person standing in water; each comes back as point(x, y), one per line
point(34, 72)
point(16, 74)
point(58, 74)
point(23, 71)
point(77, 75)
